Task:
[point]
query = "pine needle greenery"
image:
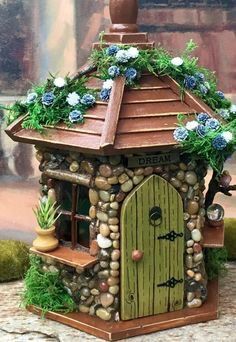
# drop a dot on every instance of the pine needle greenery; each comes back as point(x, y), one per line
point(41, 113)
point(202, 146)
point(45, 290)
point(158, 61)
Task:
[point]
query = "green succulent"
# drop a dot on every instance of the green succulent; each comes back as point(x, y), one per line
point(46, 213)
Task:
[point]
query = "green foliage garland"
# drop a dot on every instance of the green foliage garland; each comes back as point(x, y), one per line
point(159, 62)
point(202, 147)
point(40, 114)
point(130, 62)
point(45, 290)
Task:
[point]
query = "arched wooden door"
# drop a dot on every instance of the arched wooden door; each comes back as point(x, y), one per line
point(154, 284)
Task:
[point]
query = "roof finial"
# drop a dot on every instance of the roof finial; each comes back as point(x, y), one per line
point(124, 15)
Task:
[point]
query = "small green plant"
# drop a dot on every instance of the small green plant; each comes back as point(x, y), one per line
point(45, 213)
point(45, 289)
point(215, 260)
point(14, 260)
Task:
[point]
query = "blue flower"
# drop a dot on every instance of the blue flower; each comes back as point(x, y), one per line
point(203, 117)
point(203, 89)
point(190, 82)
point(212, 124)
point(31, 98)
point(219, 142)
point(105, 94)
point(48, 98)
point(114, 71)
point(180, 134)
point(220, 94)
point(112, 50)
point(88, 100)
point(201, 130)
point(200, 76)
point(76, 116)
point(131, 74)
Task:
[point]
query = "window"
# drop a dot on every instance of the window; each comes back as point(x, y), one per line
point(73, 225)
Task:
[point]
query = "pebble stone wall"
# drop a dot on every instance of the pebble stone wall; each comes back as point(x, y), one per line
point(96, 290)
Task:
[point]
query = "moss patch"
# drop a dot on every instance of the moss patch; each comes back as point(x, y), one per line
point(215, 259)
point(230, 238)
point(45, 289)
point(14, 260)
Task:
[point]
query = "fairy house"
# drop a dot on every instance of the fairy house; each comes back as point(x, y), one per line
point(132, 227)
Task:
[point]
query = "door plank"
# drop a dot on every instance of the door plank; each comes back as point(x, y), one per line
point(176, 250)
point(129, 290)
point(161, 294)
point(151, 248)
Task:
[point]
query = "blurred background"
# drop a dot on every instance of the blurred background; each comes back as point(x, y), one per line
point(41, 36)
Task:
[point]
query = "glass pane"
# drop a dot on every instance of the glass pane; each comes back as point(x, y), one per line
point(83, 206)
point(83, 233)
point(64, 191)
point(65, 195)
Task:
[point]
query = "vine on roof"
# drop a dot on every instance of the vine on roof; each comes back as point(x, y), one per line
point(67, 99)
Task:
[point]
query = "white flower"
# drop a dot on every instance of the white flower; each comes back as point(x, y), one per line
point(122, 56)
point(224, 113)
point(233, 108)
point(59, 82)
point(108, 84)
point(177, 61)
point(192, 125)
point(133, 52)
point(228, 136)
point(73, 99)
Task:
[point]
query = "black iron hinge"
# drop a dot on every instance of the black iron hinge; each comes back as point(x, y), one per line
point(171, 236)
point(172, 282)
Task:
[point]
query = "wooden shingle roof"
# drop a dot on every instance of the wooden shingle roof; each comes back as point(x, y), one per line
point(134, 120)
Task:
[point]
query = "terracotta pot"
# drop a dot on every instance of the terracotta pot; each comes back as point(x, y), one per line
point(46, 240)
point(124, 15)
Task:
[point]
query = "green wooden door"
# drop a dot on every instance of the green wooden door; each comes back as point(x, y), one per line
point(148, 285)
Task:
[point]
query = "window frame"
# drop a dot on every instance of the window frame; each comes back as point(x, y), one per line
point(74, 215)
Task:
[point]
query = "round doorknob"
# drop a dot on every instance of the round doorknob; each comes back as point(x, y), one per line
point(137, 255)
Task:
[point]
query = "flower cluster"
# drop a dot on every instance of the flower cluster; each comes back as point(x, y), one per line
point(204, 126)
point(121, 58)
point(58, 100)
point(197, 82)
point(106, 90)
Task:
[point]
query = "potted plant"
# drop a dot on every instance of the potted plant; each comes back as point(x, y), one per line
point(46, 215)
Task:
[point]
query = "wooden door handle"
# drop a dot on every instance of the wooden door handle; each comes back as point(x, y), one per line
point(137, 255)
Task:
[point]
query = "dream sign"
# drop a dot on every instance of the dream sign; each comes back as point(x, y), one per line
point(154, 159)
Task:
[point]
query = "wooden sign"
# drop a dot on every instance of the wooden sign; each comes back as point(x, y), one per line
point(153, 159)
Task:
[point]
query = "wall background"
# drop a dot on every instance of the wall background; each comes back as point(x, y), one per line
point(38, 36)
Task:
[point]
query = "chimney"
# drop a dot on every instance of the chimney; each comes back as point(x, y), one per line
point(124, 28)
point(124, 15)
